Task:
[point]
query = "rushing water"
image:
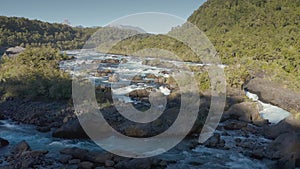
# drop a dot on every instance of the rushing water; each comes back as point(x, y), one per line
point(16, 133)
point(207, 157)
point(272, 113)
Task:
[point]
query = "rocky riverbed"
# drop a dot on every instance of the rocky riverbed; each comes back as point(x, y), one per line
point(39, 134)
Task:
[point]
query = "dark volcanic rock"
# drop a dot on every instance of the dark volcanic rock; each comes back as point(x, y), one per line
point(70, 130)
point(86, 165)
point(43, 129)
point(64, 158)
point(288, 145)
point(99, 157)
point(39, 113)
point(21, 147)
point(30, 159)
point(75, 152)
point(2, 116)
point(135, 163)
point(3, 142)
point(215, 142)
point(235, 125)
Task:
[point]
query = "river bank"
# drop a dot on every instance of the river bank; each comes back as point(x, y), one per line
point(243, 139)
point(239, 141)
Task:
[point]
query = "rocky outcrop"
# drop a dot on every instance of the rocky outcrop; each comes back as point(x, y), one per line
point(3, 142)
point(2, 117)
point(273, 93)
point(136, 163)
point(215, 141)
point(70, 130)
point(103, 72)
point(108, 61)
point(245, 111)
point(288, 146)
point(23, 157)
point(139, 93)
point(235, 125)
point(13, 51)
point(290, 124)
point(44, 115)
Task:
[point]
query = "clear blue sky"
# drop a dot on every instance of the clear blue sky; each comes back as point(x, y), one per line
point(93, 12)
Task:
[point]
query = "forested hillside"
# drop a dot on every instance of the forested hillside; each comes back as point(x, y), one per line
point(263, 33)
point(251, 36)
point(21, 31)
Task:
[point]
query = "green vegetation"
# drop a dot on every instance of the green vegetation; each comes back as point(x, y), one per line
point(21, 31)
point(251, 36)
point(140, 42)
point(254, 36)
point(35, 74)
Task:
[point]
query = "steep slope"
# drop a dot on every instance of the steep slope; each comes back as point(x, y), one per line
point(264, 30)
point(255, 37)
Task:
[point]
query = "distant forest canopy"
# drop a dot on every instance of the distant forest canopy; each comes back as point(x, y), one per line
point(15, 31)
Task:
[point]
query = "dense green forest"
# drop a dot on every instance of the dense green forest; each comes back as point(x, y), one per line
point(259, 35)
point(251, 36)
point(16, 31)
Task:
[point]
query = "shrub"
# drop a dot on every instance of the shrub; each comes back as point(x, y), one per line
point(35, 74)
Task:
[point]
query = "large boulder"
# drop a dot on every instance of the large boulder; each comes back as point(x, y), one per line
point(2, 117)
point(13, 51)
point(110, 61)
point(139, 93)
point(21, 147)
point(103, 72)
point(146, 163)
point(3, 142)
point(30, 159)
point(235, 125)
point(291, 123)
point(288, 146)
point(137, 79)
point(215, 141)
point(86, 165)
point(70, 130)
point(99, 157)
point(76, 153)
point(275, 94)
point(137, 131)
point(245, 111)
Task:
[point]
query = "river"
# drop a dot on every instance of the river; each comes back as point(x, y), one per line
point(207, 157)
